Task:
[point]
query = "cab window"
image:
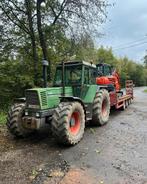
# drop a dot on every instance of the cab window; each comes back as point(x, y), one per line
point(107, 70)
point(73, 75)
point(86, 75)
point(92, 76)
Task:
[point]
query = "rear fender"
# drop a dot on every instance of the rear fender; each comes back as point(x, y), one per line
point(109, 88)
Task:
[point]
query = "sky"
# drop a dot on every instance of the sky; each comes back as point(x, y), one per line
point(126, 27)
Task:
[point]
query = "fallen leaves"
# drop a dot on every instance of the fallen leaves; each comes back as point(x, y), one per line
point(92, 130)
point(56, 173)
point(97, 151)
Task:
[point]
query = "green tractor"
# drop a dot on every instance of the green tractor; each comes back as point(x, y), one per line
point(74, 99)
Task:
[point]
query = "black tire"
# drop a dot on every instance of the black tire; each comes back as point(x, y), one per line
point(14, 121)
point(61, 123)
point(131, 100)
point(101, 108)
point(128, 102)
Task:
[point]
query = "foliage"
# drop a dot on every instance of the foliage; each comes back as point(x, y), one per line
point(66, 33)
point(14, 79)
point(2, 118)
point(127, 68)
point(145, 60)
point(28, 21)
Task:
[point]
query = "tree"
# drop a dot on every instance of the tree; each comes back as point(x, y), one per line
point(105, 56)
point(145, 60)
point(17, 19)
point(85, 49)
point(29, 7)
point(41, 34)
point(73, 18)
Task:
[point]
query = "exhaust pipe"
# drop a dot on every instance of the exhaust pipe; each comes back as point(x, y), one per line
point(45, 65)
point(63, 79)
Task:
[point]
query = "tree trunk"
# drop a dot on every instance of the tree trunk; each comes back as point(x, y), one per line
point(41, 35)
point(33, 39)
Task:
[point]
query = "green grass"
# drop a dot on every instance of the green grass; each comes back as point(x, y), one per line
point(2, 118)
point(145, 90)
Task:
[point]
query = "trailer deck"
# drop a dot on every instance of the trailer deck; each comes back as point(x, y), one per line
point(125, 100)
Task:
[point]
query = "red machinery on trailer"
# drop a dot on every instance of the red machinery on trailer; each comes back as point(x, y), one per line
point(110, 77)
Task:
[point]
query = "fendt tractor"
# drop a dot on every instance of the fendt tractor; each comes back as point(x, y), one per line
point(81, 92)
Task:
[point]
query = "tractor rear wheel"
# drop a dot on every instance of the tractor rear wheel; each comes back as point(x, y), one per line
point(14, 121)
point(68, 123)
point(101, 108)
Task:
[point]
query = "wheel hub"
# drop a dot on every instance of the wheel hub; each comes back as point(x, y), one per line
point(104, 107)
point(74, 124)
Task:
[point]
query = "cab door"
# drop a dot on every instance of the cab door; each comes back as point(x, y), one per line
point(89, 86)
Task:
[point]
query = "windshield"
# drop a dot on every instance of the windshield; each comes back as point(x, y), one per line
point(73, 75)
point(104, 70)
point(100, 69)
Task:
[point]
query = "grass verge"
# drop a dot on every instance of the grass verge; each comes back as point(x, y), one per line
point(2, 118)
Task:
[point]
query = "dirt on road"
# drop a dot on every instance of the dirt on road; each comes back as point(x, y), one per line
point(113, 154)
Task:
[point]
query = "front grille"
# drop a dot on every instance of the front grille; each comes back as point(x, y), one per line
point(32, 98)
point(43, 98)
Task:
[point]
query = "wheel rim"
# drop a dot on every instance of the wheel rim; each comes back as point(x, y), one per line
point(74, 123)
point(104, 107)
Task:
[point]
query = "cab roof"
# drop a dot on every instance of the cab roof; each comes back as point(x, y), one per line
point(72, 63)
point(103, 64)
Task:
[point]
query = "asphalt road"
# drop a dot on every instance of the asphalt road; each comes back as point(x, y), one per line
point(113, 154)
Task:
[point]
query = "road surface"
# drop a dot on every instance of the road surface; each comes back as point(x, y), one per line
point(113, 154)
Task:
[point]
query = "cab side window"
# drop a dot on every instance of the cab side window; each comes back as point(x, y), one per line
point(86, 76)
point(92, 76)
point(107, 71)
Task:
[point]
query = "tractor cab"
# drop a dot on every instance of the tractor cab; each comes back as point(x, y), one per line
point(108, 76)
point(80, 76)
point(104, 69)
point(77, 73)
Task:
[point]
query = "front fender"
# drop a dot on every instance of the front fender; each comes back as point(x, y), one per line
point(73, 99)
point(20, 100)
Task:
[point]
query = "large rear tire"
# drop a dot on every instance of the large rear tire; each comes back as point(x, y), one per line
point(101, 108)
point(14, 121)
point(68, 123)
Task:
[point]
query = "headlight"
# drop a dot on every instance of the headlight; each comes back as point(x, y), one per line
point(34, 106)
point(26, 113)
point(37, 115)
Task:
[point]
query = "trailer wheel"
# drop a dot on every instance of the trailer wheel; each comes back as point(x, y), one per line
point(124, 106)
point(126, 103)
point(14, 121)
point(68, 123)
point(101, 108)
point(130, 100)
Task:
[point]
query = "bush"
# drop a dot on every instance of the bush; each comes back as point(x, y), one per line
point(2, 118)
point(13, 81)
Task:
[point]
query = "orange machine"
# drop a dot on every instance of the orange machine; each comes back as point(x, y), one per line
point(108, 76)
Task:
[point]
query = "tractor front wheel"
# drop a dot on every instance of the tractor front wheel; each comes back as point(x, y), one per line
point(14, 121)
point(68, 123)
point(101, 108)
